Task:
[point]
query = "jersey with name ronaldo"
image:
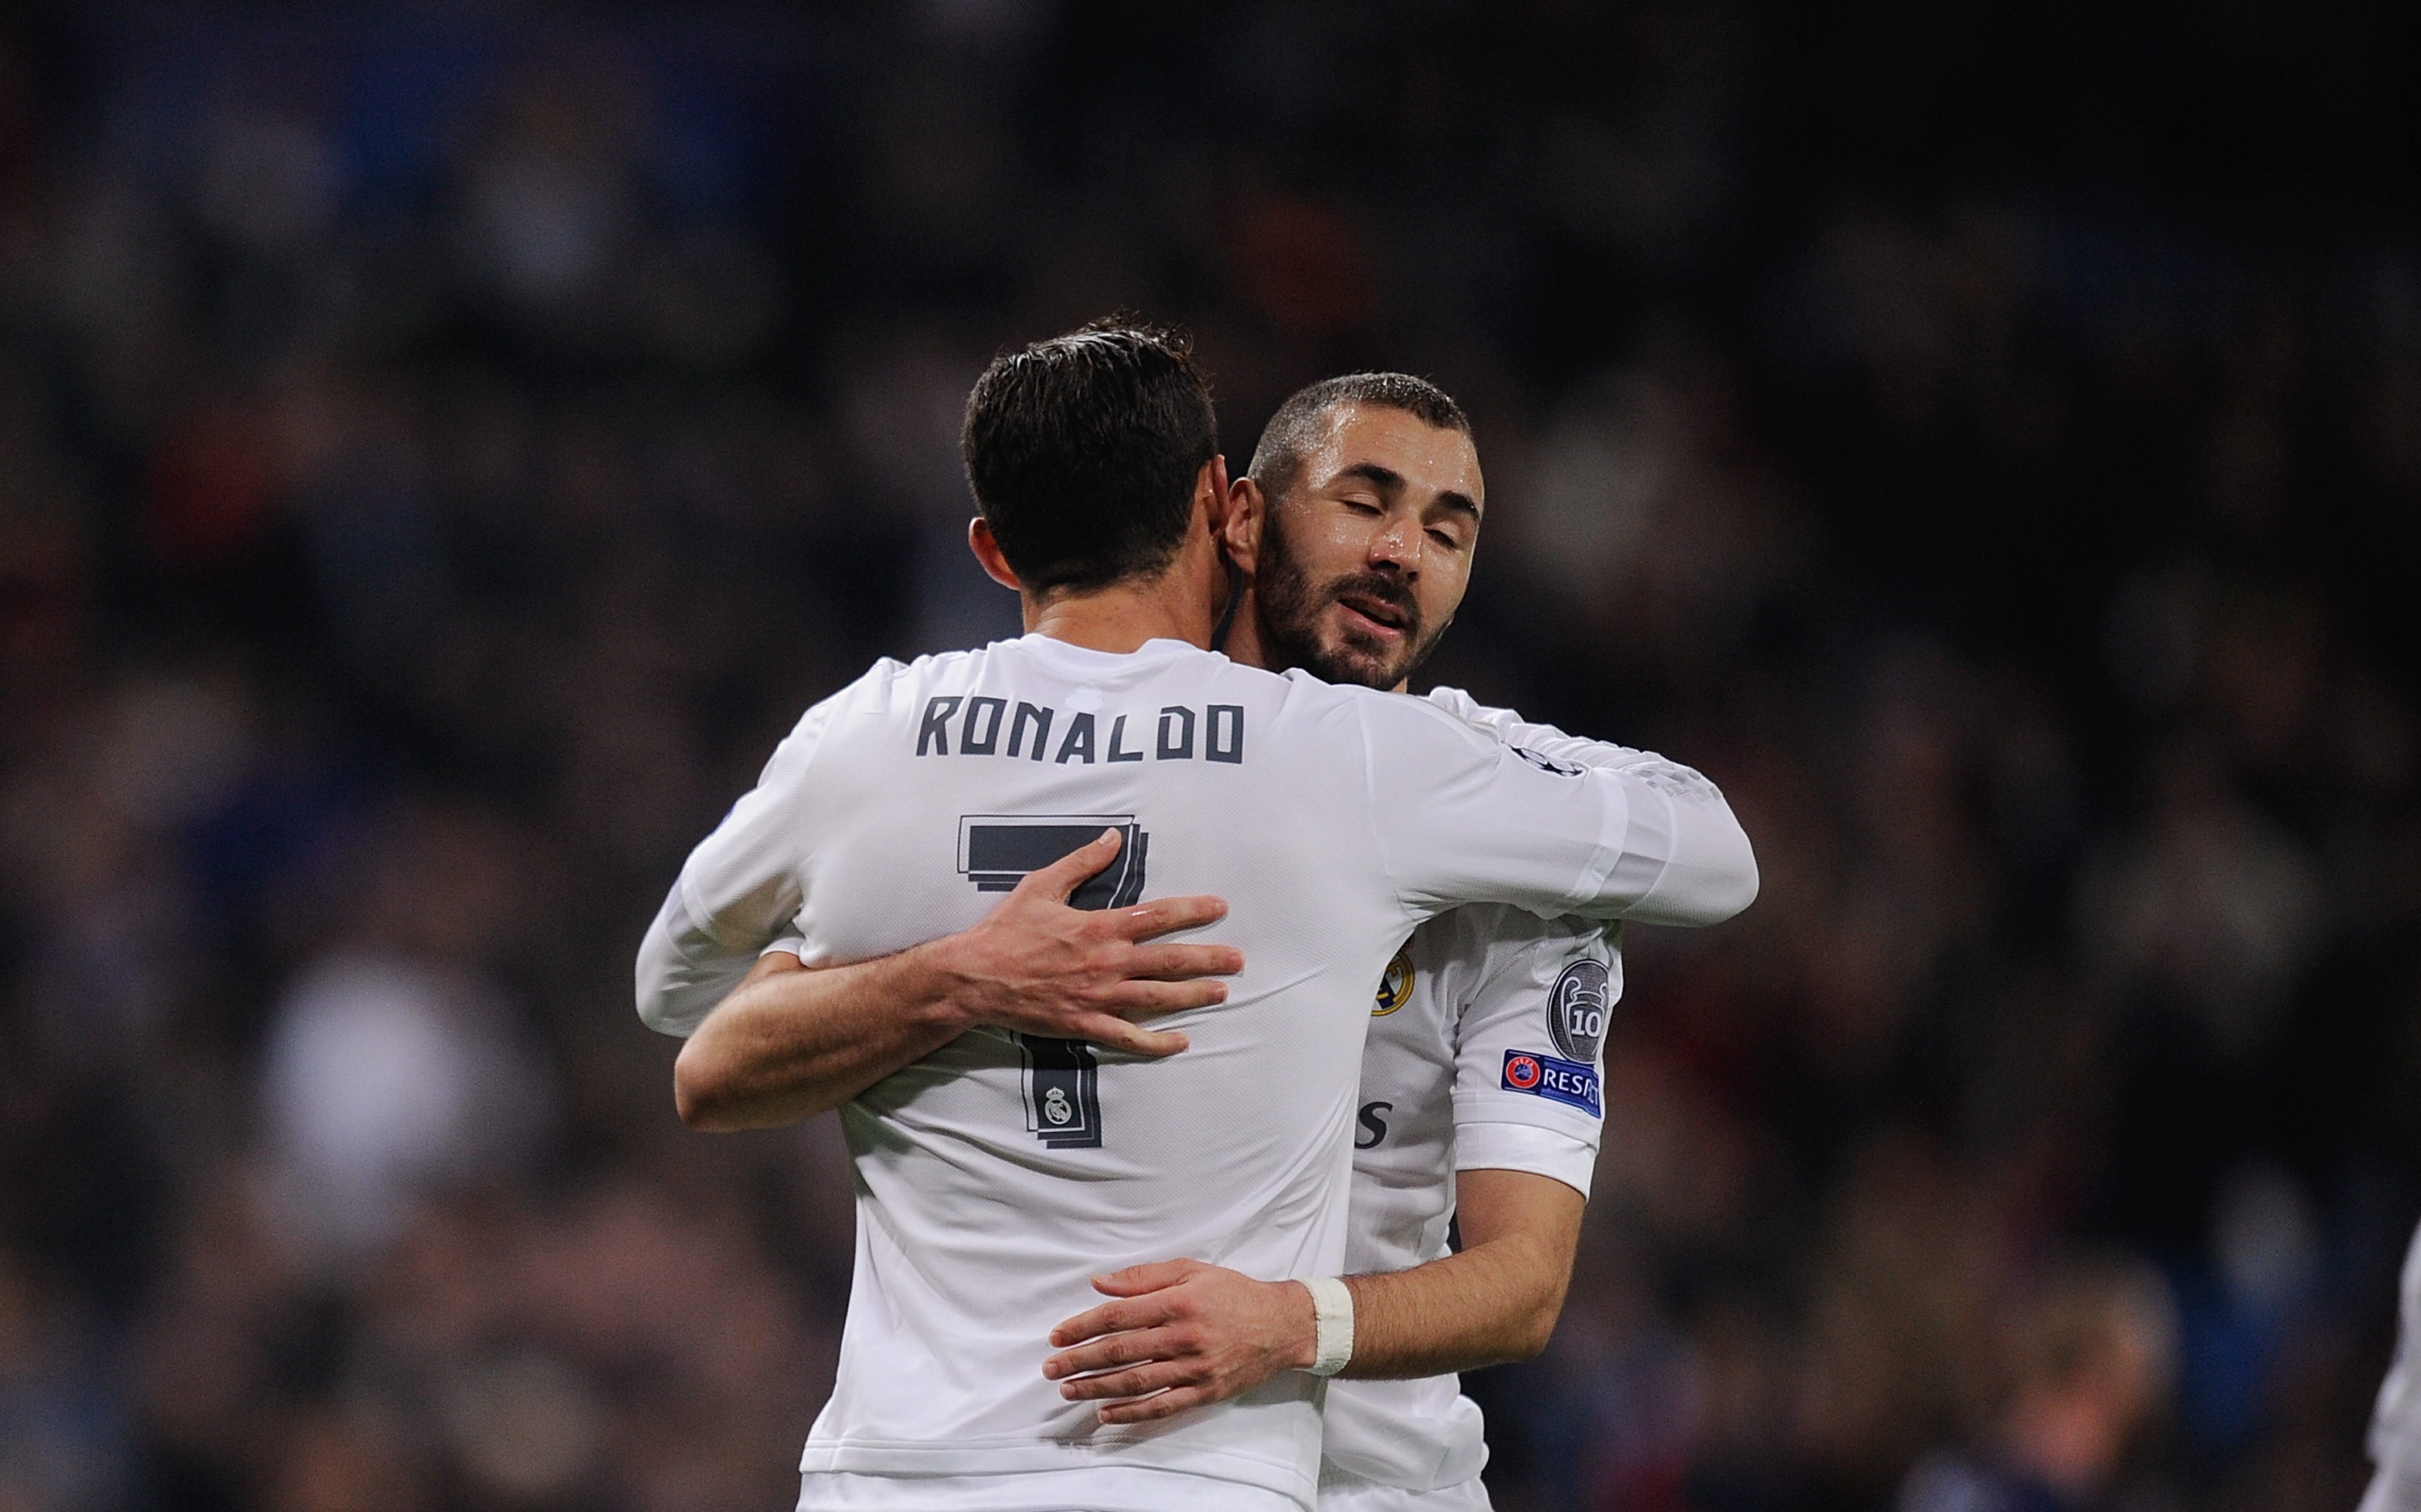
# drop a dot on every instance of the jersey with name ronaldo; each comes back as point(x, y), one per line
point(998, 1174)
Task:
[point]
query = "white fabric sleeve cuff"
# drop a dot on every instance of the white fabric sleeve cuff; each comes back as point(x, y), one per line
point(1332, 1312)
point(1507, 1147)
point(795, 943)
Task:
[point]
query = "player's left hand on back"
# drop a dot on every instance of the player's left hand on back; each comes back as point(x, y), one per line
point(1181, 1334)
point(1041, 967)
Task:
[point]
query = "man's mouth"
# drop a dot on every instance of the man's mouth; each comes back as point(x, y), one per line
point(1374, 615)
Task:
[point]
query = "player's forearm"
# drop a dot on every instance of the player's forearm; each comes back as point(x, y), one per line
point(1486, 1305)
point(1708, 870)
point(1193, 1333)
point(791, 1042)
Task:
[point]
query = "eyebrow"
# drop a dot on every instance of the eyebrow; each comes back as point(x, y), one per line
point(1387, 480)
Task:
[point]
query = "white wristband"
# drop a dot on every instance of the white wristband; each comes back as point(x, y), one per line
point(1332, 1312)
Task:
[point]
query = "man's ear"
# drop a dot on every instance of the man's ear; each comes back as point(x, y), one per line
point(979, 540)
point(1210, 494)
point(1248, 512)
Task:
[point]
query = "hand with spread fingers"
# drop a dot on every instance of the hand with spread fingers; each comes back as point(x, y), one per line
point(1179, 1334)
point(1038, 965)
point(793, 1040)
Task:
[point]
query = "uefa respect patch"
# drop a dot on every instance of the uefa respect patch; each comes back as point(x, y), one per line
point(1546, 1075)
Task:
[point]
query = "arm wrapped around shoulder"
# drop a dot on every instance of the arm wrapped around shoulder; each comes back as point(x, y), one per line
point(1462, 815)
point(1710, 869)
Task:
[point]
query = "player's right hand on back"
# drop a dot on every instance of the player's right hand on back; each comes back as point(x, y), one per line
point(1038, 966)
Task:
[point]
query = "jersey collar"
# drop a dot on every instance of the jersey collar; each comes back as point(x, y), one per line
point(1158, 648)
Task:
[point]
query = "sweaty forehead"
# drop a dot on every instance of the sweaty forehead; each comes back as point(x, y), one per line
point(1431, 458)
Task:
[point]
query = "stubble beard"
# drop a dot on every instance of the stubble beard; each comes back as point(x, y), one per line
point(1291, 607)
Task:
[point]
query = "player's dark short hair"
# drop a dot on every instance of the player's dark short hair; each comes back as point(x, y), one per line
point(1294, 429)
point(1082, 452)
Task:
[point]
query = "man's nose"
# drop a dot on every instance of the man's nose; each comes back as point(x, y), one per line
point(1397, 544)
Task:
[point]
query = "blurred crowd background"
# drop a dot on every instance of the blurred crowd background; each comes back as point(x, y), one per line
point(441, 449)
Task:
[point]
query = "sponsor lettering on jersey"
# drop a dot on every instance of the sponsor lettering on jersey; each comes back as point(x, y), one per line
point(1374, 1125)
point(987, 726)
point(1578, 1006)
point(1550, 1076)
point(1395, 982)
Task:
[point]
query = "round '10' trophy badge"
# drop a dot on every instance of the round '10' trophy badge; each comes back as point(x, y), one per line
point(1577, 1010)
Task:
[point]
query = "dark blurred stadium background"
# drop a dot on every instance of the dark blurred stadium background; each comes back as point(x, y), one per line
point(441, 448)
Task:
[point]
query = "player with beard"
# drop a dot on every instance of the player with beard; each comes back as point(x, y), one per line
point(1481, 1080)
point(1480, 1095)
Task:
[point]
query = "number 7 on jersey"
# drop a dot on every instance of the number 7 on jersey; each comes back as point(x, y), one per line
point(1061, 1079)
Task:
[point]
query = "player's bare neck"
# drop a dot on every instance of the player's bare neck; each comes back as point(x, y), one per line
point(1246, 644)
point(1179, 603)
point(1121, 618)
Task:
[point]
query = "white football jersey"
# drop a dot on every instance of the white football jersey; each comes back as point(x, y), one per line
point(1486, 1051)
point(997, 1175)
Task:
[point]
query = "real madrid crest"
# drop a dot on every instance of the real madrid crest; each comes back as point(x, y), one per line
point(1395, 982)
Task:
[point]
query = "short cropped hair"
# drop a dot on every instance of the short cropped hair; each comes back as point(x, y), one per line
point(1082, 451)
point(1294, 429)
